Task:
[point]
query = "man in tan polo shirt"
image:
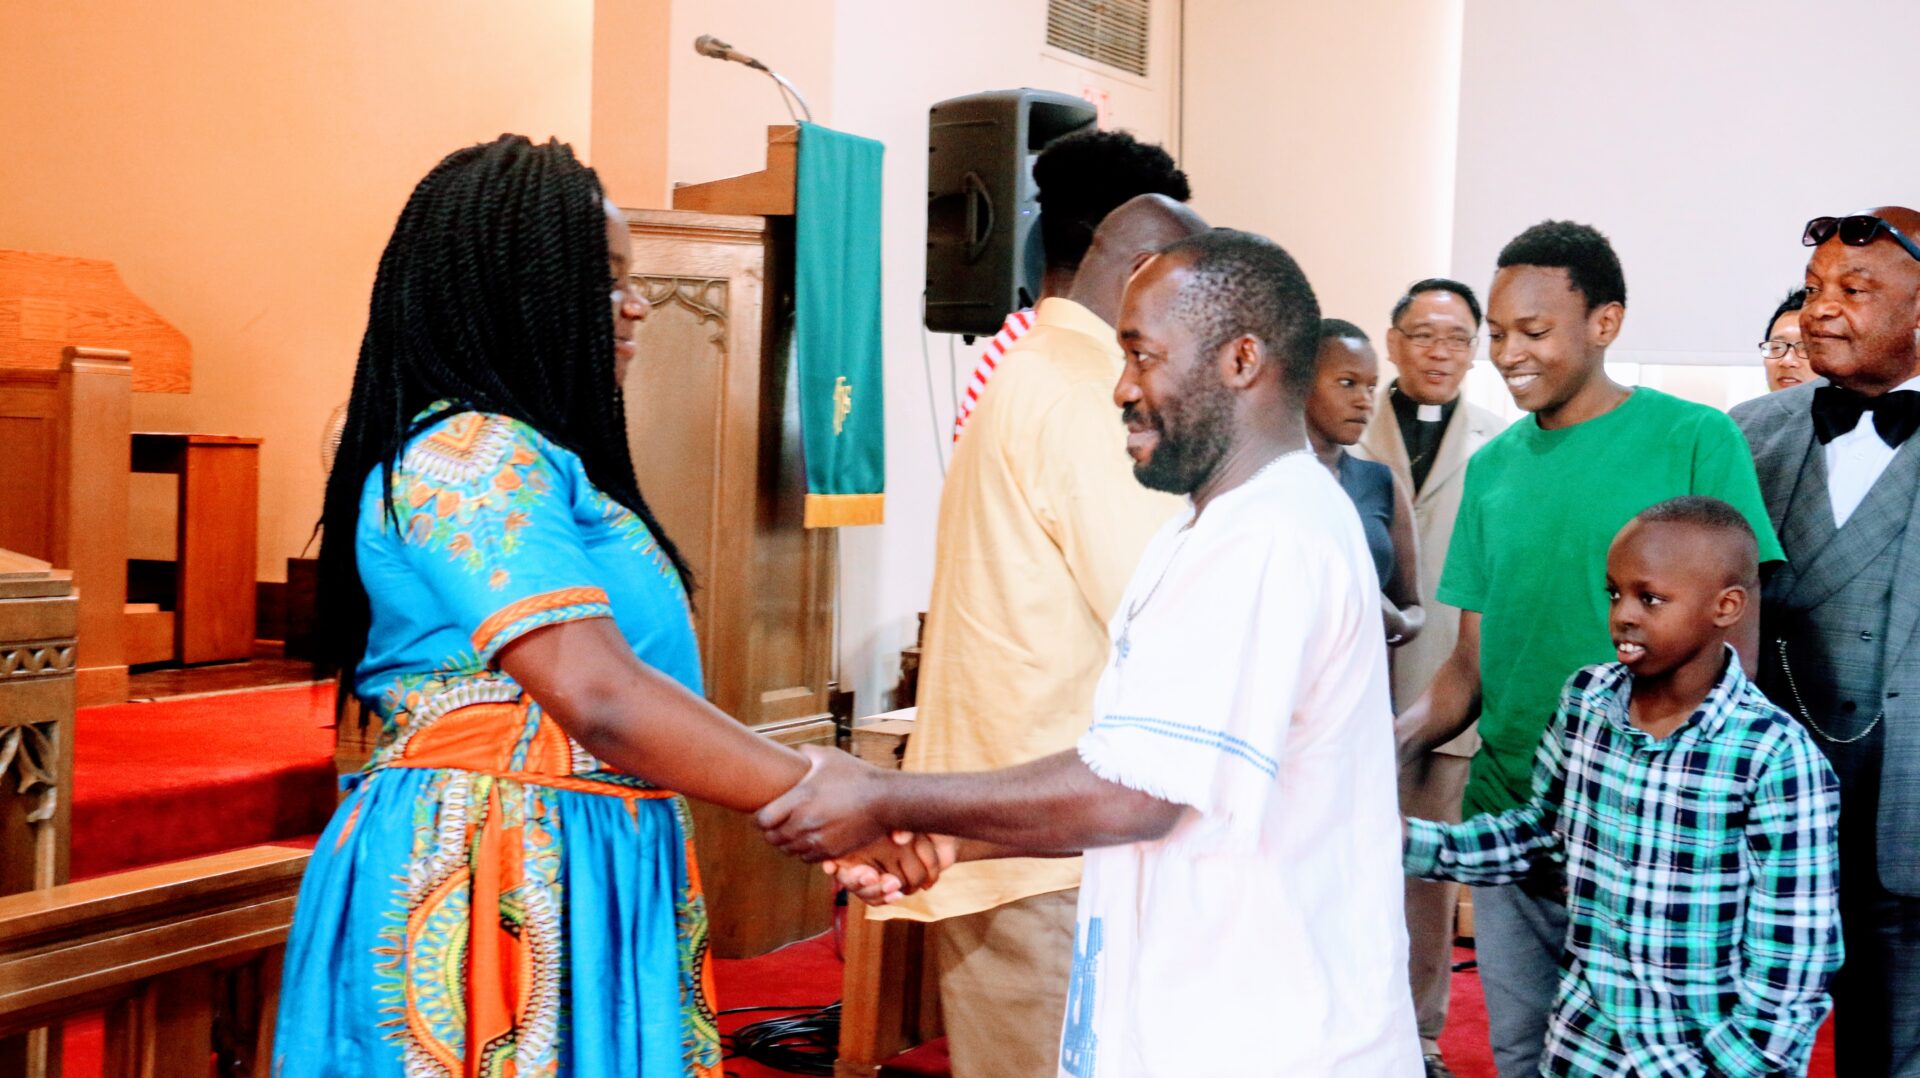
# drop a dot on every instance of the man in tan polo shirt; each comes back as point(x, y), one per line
point(1041, 524)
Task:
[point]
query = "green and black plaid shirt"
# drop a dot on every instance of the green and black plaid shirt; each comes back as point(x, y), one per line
point(1702, 874)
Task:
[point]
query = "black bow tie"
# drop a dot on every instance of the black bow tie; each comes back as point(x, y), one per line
point(1836, 411)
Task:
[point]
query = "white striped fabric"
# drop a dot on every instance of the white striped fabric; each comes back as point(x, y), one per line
point(1016, 326)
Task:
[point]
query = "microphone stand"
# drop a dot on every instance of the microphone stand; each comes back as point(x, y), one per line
point(708, 45)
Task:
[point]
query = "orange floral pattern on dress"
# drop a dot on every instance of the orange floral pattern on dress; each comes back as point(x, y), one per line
point(467, 487)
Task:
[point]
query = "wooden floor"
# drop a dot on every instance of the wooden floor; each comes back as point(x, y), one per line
point(269, 667)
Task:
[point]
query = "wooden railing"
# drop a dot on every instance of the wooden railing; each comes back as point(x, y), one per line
point(184, 959)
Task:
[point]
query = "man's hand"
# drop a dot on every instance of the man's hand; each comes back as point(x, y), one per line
point(830, 812)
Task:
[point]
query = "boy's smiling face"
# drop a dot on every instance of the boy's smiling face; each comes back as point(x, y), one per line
point(1669, 595)
point(1542, 338)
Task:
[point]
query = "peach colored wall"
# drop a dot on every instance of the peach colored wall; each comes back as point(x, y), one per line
point(243, 163)
point(630, 69)
point(1330, 127)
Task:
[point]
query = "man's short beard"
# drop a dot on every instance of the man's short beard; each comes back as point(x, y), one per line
point(1203, 420)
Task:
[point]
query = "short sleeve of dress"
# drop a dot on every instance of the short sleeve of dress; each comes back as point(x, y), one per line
point(487, 524)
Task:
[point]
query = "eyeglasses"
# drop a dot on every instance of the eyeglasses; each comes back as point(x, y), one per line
point(1424, 339)
point(1855, 231)
point(1777, 348)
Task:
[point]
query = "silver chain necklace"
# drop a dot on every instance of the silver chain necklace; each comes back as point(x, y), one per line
point(1124, 646)
point(1807, 718)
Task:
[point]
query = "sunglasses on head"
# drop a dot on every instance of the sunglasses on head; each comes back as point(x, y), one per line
point(1855, 231)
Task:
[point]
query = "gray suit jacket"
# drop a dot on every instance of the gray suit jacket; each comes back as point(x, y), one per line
point(1846, 594)
point(1435, 508)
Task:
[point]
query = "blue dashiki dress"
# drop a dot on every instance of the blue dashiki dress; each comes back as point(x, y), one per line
point(490, 899)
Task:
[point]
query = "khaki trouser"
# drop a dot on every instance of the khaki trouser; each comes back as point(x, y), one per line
point(1430, 789)
point(1003, 985)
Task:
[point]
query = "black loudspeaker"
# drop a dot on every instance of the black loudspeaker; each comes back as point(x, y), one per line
point(984, 258)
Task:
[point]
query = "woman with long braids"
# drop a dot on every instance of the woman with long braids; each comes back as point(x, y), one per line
point(509, 888)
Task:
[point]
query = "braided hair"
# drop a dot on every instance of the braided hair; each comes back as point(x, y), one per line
point(492, 296)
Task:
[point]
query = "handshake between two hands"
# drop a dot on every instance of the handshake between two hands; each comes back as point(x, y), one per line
point(830, 817)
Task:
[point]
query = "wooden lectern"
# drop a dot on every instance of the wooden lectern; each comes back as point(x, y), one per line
point(715, 432)
point(716, 442)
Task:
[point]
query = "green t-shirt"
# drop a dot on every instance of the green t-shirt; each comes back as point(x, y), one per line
point(1529, 552)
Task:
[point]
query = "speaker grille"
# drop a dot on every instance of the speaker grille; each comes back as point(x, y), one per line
point(1111, 32)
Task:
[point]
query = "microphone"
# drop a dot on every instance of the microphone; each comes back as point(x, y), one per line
point(708, 45)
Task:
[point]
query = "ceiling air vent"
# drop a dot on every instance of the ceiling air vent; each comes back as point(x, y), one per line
point(1111, 32)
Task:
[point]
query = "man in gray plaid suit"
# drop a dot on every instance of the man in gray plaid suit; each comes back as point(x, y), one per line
point(1840, 472)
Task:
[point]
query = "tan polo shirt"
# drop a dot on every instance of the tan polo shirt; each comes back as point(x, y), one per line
point(1041, 523)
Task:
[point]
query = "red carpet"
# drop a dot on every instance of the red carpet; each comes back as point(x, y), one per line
point(807, 975)
point(181, 778)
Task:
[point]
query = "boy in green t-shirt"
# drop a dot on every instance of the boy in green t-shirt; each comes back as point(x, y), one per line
point(1527, 567)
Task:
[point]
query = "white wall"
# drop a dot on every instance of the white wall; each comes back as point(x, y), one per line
point(1700, 137)
point(1330, 128)
point(718, 112)
point(873, 68)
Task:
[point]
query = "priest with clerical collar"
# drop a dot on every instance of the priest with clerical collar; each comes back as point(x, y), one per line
point(1838, 466)
point(1424, 430)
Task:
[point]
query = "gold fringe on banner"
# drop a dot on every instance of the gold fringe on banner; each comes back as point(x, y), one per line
point(845, 510)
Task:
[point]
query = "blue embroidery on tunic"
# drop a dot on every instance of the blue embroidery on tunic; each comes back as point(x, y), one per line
point(1078, 1044)
point(1198, 735)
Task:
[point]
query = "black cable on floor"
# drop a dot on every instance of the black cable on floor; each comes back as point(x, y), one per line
point(798, 1044)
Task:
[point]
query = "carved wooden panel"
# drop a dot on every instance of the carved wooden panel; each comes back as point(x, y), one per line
point(38, 616)
point(675, 404)
point(714, 430)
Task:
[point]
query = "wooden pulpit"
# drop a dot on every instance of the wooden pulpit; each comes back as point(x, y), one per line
point(714, 425)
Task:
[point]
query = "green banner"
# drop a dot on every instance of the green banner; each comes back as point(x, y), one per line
point(836, 327)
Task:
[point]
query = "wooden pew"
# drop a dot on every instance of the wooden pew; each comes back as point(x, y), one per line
point(185, 958)
point(38, 615)
point(75, 343)
point(68, 434)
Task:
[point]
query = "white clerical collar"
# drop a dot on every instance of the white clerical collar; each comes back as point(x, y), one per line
point(1432, 413)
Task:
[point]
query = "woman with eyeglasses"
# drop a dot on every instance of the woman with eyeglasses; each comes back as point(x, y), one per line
point(1782, 352)
point(509, 887)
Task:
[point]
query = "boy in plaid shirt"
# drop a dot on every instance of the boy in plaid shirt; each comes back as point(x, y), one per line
point(1695, 820)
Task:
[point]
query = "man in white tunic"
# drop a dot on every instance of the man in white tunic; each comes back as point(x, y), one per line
point(1237, 789)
